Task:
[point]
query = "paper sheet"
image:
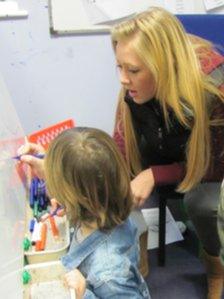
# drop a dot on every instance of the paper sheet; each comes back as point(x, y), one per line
point(180, 6)
point(116, 9)
point(211, 4)
point(11, 8)
point(104, 11)
point(151, 217)
point(94, 13)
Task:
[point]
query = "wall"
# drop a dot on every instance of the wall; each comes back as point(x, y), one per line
point(51, 79)
point(54, 78)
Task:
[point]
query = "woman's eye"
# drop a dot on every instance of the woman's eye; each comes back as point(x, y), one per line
point(134, 71)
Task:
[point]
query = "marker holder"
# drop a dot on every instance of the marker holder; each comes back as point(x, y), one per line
point(38, 203)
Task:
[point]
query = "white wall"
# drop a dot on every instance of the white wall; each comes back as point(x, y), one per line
point(54, 78)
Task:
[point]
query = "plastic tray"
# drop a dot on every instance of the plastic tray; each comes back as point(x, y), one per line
point(43, 274)
point(54, 249)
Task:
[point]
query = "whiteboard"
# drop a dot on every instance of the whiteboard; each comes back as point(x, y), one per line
point(91, 16)
point(12, 199)
point(69, 16)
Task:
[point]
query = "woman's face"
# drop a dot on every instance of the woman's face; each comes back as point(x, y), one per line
point(134, 75)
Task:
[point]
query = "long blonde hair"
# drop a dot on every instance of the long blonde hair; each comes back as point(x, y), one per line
point(86, 173)
point(160, 41)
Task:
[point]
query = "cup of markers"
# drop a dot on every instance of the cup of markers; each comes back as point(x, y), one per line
point(40, 203)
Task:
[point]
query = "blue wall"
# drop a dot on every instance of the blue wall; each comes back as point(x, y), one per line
point(210, 27)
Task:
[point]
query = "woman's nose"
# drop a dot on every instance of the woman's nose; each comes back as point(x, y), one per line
point(124, 79)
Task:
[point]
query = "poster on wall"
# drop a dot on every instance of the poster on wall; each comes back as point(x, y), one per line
point(95, 16)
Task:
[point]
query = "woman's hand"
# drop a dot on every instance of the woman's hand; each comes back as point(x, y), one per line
point(75, 280)
point(142, 186)
point(37, 165)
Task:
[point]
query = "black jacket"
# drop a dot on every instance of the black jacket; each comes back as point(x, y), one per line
point(157, 144)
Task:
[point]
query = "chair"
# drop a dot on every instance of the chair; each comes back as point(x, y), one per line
point(164, 193)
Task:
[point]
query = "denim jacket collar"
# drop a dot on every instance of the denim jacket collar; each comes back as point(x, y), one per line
point(77, 254)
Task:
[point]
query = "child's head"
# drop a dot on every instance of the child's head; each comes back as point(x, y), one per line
point(87, 174)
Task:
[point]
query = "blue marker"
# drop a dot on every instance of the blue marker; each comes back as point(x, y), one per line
point(41, 202)
point(56, 210)
point(32, 223)
point(35, 185)
point(54, 213)
point(31, 195)
point(40, 156)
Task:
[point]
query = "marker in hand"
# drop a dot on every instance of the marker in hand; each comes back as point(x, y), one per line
point(47, 215)
point(40, 156)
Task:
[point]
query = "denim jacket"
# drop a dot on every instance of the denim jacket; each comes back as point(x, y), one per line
point(109, 262)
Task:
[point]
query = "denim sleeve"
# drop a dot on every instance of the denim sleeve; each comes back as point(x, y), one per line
point(113, 290)
point(89, 295)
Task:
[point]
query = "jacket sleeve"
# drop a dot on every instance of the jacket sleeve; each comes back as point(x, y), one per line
point(89, 295)
point(168, 174)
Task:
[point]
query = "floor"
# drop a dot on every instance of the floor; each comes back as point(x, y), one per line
point(183, 276)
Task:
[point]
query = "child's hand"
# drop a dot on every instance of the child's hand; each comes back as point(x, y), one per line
point(54, 207)
point(75, 280)
point(37, 165)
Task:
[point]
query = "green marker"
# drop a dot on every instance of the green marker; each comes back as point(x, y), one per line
point(26, 277)
point(35, 209)
point(26, 244)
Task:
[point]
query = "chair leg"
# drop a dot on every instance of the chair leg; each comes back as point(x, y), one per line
point(162, 231)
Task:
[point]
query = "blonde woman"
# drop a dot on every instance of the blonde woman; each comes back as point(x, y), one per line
point(169, 122)
point(87, 174)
